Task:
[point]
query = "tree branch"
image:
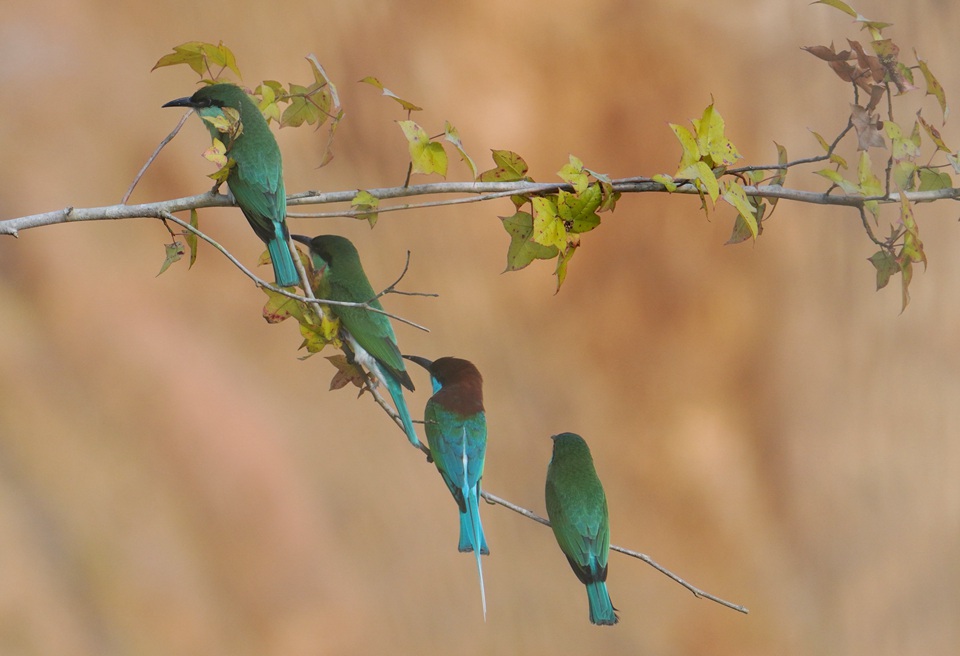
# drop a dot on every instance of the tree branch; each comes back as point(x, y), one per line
point(481, 191)
point(697, 592)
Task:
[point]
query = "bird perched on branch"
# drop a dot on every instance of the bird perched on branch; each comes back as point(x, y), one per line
point(577, 508)
point(456, 427)
point(368, 335)
point(256, 176)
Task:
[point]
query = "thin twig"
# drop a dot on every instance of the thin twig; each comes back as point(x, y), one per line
point(168, 139)
point(260, 282)
point(697, 592)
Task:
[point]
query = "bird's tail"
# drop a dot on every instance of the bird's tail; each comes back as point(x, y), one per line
point(284, 270)
point(396, 393)
point(601, 608)
point(471, 531)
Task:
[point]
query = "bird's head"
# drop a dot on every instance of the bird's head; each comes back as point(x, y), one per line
point(213, 95)
point(332, 250)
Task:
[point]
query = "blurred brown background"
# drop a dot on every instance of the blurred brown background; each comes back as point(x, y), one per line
point(173, 480)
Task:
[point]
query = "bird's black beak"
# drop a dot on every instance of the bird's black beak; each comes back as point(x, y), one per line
point(423, 362)
point(180, 102)
point(303, 239)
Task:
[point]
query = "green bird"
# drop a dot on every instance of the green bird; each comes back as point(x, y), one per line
point(367, 335)
point(256, 178)
point(577, 508)
point(456, 426)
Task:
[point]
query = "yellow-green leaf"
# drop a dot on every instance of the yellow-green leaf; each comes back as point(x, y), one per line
point(932, 179)
point(280, 307)
point(307, 105)
point(934, 134)
point(839, 180)
point(426, 156)
point(173, 252)
point(886, 265)
point(523, 250)
point(201, 58)
point(704, 178)
point(368, 204)
point(579, 213)
point(510, 167)
point(735, 195)
point(573, 173)
point(562, 261)
point(666, 181)
point(838, 4)
point(451, 134)
point(934, 87)
point(712, 143)
point(548, 228)
point(406, 104)
point(691, 153)
point(191, 237)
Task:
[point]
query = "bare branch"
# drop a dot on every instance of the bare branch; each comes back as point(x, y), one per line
point(529, 514)
point(152, 157)
point(484, 191)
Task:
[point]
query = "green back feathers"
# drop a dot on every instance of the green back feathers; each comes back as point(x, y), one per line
point(345, 280)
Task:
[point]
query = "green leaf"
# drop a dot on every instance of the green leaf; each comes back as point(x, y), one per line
point(426, 156)
point(548, 228)
point(523, 250)
point(579, 212)
point(368, 204)
point(886, 265)
point(450, 134)
point(173, 252)
point(510, 167)
point(406, 104)
point(931, 179)
point(191, 237)
point(304, 107)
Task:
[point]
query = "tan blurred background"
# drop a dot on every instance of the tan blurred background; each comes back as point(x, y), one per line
point(173, 480)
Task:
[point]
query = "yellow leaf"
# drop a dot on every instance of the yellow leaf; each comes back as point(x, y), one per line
point(425, 155)
point(548, 228)
point(735, 195)
point(450, 134)
point(691, 153)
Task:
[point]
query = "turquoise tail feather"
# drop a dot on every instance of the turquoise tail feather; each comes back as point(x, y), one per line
point(284, 270)
point(396, 393)
point(471, 533)
point(471, 530)
point(601, 608)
